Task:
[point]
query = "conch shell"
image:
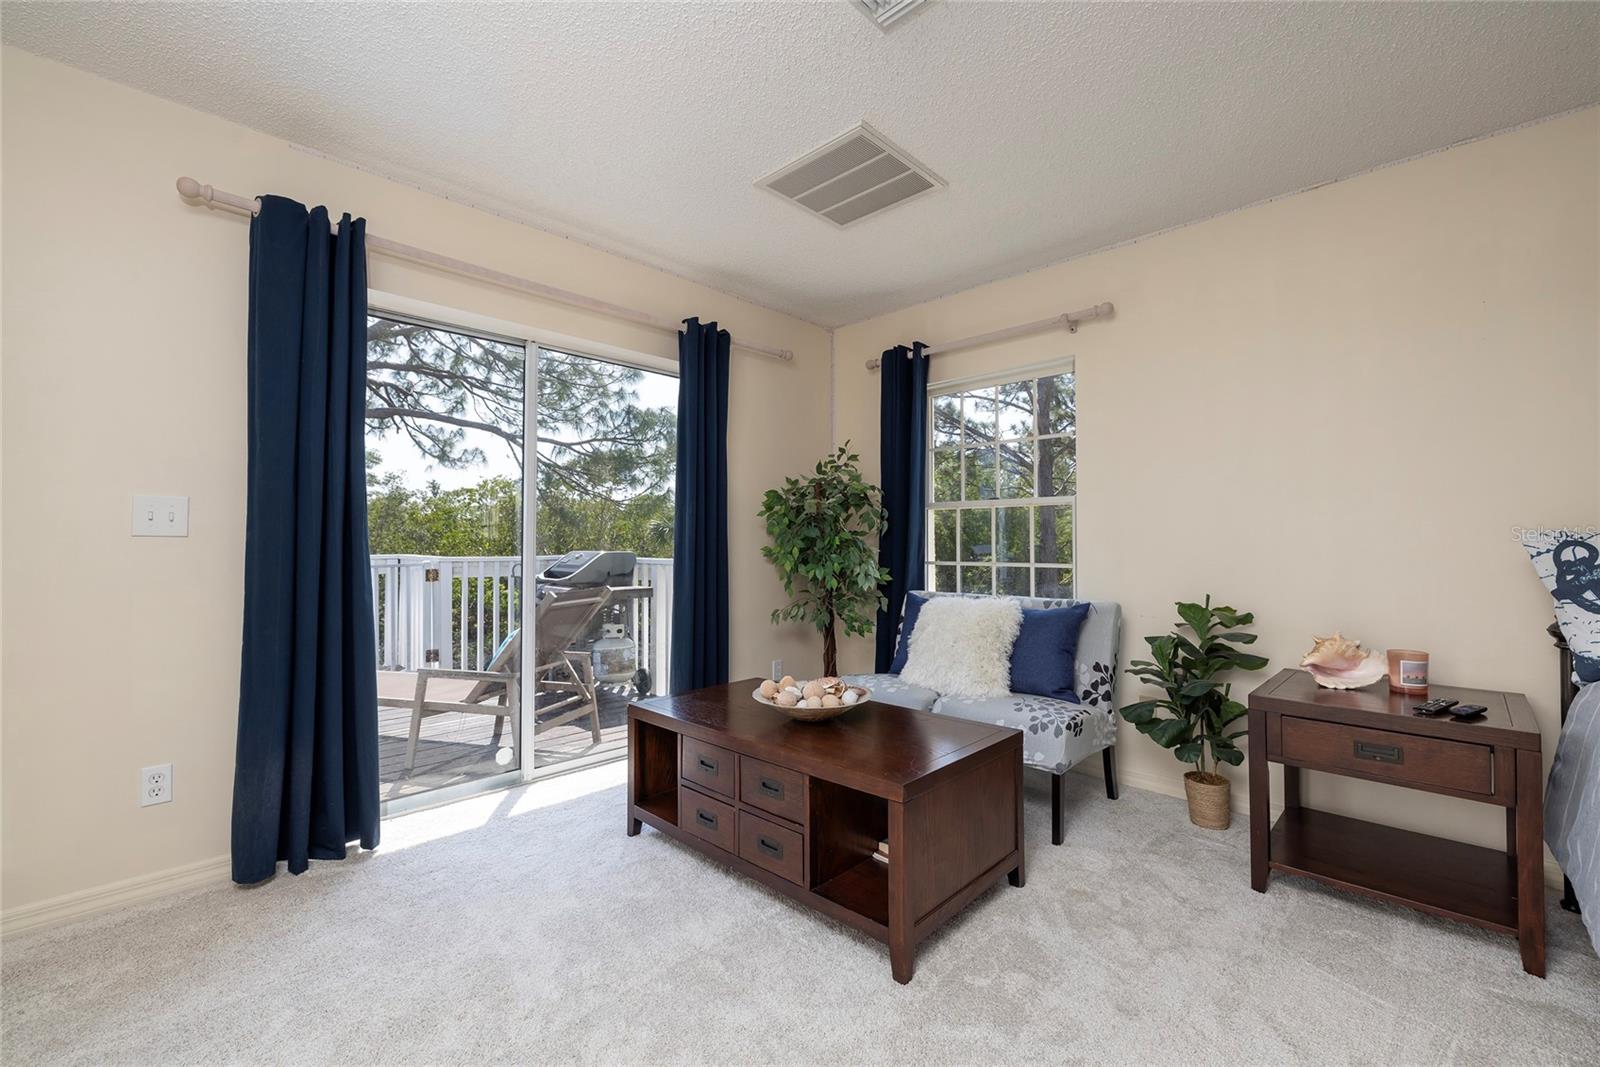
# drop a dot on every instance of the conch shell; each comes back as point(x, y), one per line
point(1339, 663)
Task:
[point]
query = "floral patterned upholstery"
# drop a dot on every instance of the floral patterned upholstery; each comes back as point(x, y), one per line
point(1056, 734)
point(889, 689)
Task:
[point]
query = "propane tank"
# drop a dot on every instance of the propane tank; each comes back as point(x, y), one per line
point(615, 655)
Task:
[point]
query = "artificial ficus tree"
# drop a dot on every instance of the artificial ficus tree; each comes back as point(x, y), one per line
point(822, 529)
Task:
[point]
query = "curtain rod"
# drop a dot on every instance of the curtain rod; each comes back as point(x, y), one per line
point(211, 197)
point(1070, 320)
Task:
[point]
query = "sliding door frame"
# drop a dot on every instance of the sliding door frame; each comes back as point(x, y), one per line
point(408, 309)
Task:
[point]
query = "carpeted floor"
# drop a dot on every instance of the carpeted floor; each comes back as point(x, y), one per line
point(526, 927)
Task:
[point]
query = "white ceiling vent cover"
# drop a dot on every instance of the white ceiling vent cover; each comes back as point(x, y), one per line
point(853, 176)
point(885, 12)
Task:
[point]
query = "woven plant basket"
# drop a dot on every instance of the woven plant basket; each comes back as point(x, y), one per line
point(1208, 799)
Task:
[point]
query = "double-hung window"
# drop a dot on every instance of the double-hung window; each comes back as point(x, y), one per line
point(1002, 473)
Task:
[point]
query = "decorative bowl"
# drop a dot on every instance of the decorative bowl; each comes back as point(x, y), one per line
point(801, 713)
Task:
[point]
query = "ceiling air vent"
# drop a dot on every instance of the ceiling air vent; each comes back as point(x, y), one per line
point(851, 177)
point(884, 12)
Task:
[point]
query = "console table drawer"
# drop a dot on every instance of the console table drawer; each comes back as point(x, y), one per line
point(707, 766)
point(772, 789)
point(768, 845)
point(709, 819)
point(1407, 759)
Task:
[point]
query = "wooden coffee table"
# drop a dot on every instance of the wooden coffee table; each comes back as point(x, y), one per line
point(801, 807)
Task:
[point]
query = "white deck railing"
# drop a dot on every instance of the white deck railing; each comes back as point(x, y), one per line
point(453, 611)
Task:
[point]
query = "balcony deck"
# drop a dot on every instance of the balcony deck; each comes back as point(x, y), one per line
point(458, 748)
point(453, 611)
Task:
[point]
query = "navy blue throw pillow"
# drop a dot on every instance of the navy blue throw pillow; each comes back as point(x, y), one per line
point(1042, 660)
point(908, 621)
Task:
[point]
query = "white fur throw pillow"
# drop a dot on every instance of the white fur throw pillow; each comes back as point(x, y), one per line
point(962, 646)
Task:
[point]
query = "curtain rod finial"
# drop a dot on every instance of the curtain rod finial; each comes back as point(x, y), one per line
point(190, 189)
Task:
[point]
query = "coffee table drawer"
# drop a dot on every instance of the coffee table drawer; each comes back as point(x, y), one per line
point(776, 848)
point(772, 789)
point(707, 766)
point(1407, 759)
point(706, 818)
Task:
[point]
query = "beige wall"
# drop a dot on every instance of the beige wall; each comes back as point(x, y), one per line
point(1266, 370)
point(124, 372)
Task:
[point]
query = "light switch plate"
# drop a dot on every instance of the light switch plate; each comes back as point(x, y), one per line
point(161, 516)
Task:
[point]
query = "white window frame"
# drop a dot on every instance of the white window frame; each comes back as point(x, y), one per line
point(933, 507)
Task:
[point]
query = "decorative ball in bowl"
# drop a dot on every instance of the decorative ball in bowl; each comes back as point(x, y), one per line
point(813, 701)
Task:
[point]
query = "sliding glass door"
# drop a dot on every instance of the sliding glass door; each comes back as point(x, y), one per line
point(445, 462)
point(605, 472)
point(511, 639)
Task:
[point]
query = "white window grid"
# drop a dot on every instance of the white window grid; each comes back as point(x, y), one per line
point(1030, 505)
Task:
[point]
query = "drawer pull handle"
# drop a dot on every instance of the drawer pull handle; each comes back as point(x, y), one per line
point(705, 819)
point(770, 847)
point(772, 788)
point(708, 765)
point(1379, 753)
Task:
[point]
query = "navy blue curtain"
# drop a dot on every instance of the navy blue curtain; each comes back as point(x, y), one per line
point(903, 425)
point(306, 771)
point(700, 526)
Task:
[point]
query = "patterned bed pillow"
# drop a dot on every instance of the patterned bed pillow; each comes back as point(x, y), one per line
point(1568, 564)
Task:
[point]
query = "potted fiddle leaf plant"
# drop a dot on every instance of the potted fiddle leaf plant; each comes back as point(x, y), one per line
point(1194, 717)
point(820, 528)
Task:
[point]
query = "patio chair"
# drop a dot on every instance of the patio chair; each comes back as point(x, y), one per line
point(561, 618)
point(441, 690)
point(558, 622)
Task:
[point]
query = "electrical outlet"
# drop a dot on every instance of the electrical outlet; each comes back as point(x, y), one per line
point(777, 670)
point(155, 785)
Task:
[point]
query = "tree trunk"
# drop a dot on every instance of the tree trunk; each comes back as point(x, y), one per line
point(830, 651)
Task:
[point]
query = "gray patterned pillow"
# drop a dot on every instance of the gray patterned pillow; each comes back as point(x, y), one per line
point(1568, 563)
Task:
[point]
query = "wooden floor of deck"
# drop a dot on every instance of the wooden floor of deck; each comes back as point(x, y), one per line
point(460, 748)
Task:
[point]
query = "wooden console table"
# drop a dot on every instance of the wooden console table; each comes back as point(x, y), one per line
point(801, 807)
point(1371, 733)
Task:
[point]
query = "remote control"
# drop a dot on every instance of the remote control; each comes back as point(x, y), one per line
point(1434, 707)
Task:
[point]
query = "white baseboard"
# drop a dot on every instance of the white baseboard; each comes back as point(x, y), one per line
point(114, 895)
point(1239, 803)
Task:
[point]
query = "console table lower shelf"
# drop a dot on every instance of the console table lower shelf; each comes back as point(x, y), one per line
point(1467, 883)
point(802, 807)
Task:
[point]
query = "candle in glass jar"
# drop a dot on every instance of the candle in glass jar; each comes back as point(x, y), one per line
point(1408, 671)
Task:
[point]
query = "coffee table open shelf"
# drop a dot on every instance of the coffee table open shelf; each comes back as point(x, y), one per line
point(863, 888)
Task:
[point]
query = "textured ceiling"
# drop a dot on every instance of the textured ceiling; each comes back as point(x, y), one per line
point(1061, 128)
